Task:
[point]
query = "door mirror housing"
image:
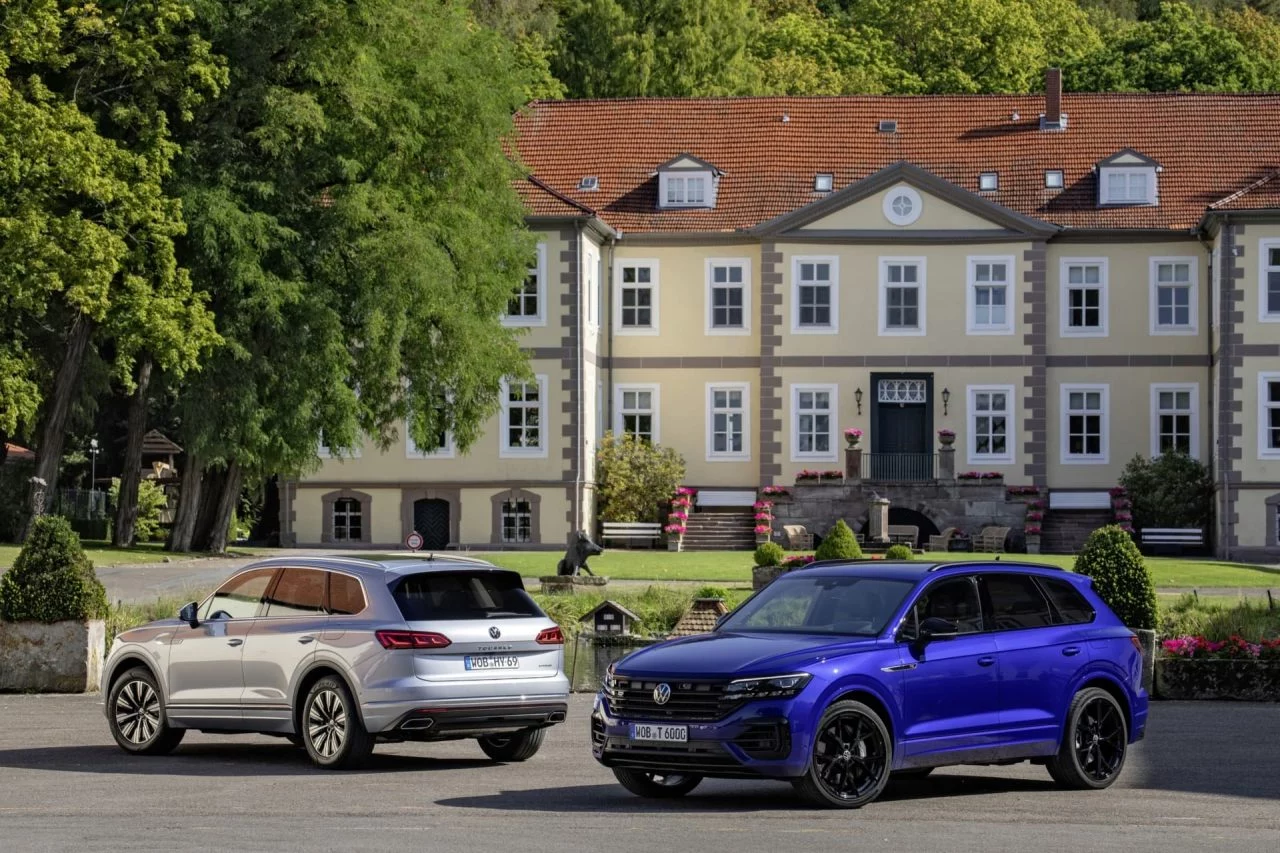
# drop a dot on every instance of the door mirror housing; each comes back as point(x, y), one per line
point(934, 628)
point(188, 614)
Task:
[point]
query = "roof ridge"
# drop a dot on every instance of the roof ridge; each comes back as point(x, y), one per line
point(957, 96)
point(1240, 193)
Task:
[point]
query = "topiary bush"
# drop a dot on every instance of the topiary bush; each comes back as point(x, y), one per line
point(51, 580)
point(839, 544)
point(899, 552)
point(769, 554)
point(711, 592)
point(1120, 575)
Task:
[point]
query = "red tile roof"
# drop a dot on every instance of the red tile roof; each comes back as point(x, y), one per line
point(1261, 194)
point(544, 201)
point(1210, 147)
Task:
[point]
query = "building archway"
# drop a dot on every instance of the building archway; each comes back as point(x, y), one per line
point(914, 518)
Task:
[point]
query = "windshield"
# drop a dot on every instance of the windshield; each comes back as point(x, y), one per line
point(822, 605)
point(444, 596)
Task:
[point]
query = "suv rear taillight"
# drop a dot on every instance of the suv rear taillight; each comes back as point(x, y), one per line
point(1137, 644)
point(412, 640)
point(551, 637)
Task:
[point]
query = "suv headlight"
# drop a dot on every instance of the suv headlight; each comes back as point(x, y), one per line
point(610, 679)
point(769, 687)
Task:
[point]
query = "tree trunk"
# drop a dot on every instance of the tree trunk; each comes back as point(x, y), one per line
point(226, 507)
point(54, 432)
point(210, 494)
point(127, 498)
point(184, 517)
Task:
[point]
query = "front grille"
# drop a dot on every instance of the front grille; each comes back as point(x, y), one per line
point(764, 741)
point(701, 757)
point(690, 700)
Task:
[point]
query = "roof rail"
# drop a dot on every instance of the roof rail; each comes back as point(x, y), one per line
point(1026, 564)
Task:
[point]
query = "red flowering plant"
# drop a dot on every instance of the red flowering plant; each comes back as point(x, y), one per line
point(776, 491)
point(1032, 530)
point(797, 561)
point(1118, 491)
point(764, 517)
point(1015, 491)
point(979, 475)
point(833, 475)
point(681, 505)
point(763, 529)
point(1234, 647)
point(806, 474)
point(1035, 515)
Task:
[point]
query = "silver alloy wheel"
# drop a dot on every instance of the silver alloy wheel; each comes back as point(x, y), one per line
point(327, 723)
point(138, 712)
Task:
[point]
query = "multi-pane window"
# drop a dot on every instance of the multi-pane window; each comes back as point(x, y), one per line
point(1172, 295)
point(728, 421)
point(1269, 415)
point(517, 521)
point(728, 295)
point(1270, 292)
point(814, 293)
point(812, 420)
point(348, 520)
point(1084, 423)
point(636, 412)
point(989, 424)
point(1175, 419)
point(1084, 298)
point(902, 296)
point(522, 413)
point(1124, 186)
point(441, 443)
point(686, 190)
point(526, 304)
point(989, 295)
point(636, 302)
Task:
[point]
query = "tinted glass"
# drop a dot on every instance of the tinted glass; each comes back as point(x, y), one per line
point(822, 605)
point(346, 598)
point(1073, 608)
point(436, 596)
point(1016, 602)
point(955, 601)
point(239, 597)
point(299, 593)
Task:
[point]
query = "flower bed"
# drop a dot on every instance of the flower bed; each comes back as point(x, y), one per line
point(1193, 667)
point(808, 476)
point(1019, 491)
point(979, 475)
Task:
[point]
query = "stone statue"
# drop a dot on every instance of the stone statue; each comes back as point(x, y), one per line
point(575, 557)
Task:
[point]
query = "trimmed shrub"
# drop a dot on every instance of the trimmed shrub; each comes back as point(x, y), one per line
point(635, 479)
point(1120, 575)
point(769, 554)
point(1170, 490)
point(839, 544)
point(899, 552)
point(711, 592)
point(51, 580)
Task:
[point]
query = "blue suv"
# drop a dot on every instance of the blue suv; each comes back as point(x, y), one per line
point(842, 675)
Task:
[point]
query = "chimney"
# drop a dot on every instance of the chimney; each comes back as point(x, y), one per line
point(1053, 119)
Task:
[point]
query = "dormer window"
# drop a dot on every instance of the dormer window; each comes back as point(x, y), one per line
point(687, 181)
point(1128, 178)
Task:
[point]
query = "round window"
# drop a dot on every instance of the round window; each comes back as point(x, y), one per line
point(902, 205)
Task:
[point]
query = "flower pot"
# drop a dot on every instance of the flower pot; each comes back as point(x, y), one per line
point(946, 440)
point(673, 544)
point(1033, 543)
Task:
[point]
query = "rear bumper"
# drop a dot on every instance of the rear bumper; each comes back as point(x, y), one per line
point(431, 718)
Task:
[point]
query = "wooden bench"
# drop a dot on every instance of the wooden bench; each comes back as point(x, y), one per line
point(1172, 538)
point(632, 531)
point(904, 534)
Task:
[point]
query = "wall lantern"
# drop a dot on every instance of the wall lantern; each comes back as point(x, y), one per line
point(946, 398)
point(857, 395)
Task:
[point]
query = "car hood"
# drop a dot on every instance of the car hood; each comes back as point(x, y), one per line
point(726, 654)
point(148, 632)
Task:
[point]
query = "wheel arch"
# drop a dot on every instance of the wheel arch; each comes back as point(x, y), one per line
point(1106, 682)
point(316, 671)
point(868, 696)
point(126, 662)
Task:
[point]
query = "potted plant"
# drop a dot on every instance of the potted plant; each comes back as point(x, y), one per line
point(947, 437)
point(853, 436)
point(1032, 533)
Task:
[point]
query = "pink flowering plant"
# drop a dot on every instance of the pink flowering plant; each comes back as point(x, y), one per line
point(763, 530)
point(1234, 647)
point(797, 561)
point(1014, 491)
point(833, 475)
point(806, 474)
point(979, 475)
point(776, 491)
point(1035, 515)
point(675, 528)
point(1032, 530)
point(946, 433)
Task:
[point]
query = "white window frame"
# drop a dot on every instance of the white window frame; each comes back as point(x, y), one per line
point(922, 278)
point(1193, 388)
point(1064, 301)
point(323, 451)
point(971, 296)
point(591, 285)
point(1054, 183)
point(833, 328)
point(901, 220)
point(666, 187)
point(745, 455)
point(745, 265)
point(833, 412)
point(1264, 378)
point(1104, 184)
point(1009, 457)
point(1065, 456)
point(655, 406)
point(1193, 296)
point(653, 328)
point(544, 435)
point(516, 514)
point(1264, 247)
point(540, 270)
point(988, 182)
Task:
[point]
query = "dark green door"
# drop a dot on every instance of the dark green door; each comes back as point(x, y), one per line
point(431, 519)
point(901, 446)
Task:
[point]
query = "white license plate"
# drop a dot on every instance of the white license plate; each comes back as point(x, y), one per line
point(659, 734)
point(491, 662)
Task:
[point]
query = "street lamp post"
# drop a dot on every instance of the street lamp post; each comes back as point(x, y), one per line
point(93, 466)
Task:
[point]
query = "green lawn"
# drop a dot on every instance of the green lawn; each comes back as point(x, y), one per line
point(104, 554)
point(735, 567)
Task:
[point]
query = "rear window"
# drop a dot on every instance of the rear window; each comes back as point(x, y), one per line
point(1016, 603)
point(346, 598)
point(1072, 607)
point(443, 596)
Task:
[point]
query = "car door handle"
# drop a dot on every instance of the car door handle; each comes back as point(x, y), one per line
point(234, 641)
point(307, 639)
point(986, 661)
point(1071, 651)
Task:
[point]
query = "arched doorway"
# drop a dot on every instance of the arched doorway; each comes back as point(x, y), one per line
point(915, 518)
point(431, 519)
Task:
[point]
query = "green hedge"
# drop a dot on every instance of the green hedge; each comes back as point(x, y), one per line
point(51, 580)
point(1120, 576)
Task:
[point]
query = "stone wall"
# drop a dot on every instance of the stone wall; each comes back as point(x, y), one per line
point(62, 657)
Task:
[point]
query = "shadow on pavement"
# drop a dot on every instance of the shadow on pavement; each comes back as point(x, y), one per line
point(1227, 748)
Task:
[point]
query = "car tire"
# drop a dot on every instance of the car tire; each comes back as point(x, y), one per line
point(517, 746)
point(656, 785)
point(1095, 742)
point(851, 757)
point(332, 731)
point(137, 717)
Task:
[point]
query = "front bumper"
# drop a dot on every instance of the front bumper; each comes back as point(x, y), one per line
point(756, 740)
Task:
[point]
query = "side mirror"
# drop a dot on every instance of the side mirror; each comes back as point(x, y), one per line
point(934, 628)
point(188, 614)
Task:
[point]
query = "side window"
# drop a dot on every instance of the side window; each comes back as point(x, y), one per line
point(1073, 608)
point(1016, 602)
point(954, 600)
point(239, 597)
point(299, 593)
point(346, 597)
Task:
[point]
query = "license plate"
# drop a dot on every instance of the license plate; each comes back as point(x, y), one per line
point(660, 734)
point(491, 662)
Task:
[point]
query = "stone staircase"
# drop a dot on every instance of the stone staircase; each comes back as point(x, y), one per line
point(720, 531)
point(1064, 531)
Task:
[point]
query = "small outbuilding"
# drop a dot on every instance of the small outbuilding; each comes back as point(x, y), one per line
point(701, 617)
point(610, 617)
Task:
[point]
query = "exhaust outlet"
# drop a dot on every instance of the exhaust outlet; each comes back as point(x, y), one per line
point(418, 724)
point(556, 717)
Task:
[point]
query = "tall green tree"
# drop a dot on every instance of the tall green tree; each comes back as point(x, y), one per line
point(804, 53)
point(353, 216)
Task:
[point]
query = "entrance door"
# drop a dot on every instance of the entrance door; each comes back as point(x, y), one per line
point(901, 449)
point(431, 519)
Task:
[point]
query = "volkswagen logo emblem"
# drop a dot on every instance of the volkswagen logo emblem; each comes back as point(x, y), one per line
point(662, 693)
point(494, 632)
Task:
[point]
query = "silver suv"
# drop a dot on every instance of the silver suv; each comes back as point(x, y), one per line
point(337, 653)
